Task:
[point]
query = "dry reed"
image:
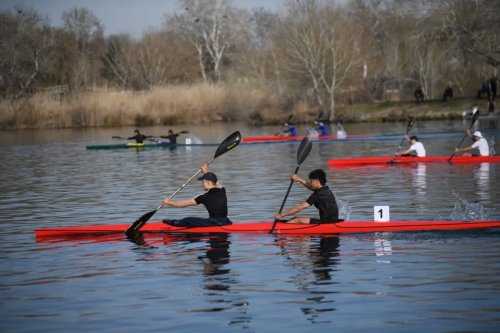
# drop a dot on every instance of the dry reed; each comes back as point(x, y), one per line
point(167, 105)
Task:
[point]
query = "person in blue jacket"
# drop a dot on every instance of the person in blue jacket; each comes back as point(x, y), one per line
point(321, 127)
point(289, 129)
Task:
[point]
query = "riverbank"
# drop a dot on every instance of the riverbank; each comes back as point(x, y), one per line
point(202, 104)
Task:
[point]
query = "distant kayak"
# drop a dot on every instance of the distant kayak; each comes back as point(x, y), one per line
point(162, 144)
point(348, 138)
point(363, 161)
point(265, 227)
point(282, 138)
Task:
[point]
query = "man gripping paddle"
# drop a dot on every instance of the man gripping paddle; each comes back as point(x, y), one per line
point(322, 198)
point(480, 144)
point(214, 200)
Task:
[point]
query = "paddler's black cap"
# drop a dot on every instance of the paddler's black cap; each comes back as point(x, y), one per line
point(209, 176)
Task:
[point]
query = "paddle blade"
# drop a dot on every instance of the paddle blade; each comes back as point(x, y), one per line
point(304, 149)
point(229, 143)
point(474, 118)
point(184, 132)
point(141, 221)
point(410, 125)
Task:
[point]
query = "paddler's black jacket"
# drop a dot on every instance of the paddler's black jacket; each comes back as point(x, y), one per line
point(139, 138)
point(215, 201)
point(324, 200)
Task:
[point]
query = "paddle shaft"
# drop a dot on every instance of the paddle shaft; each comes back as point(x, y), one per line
point(283, 127)
point(302, 153)
point(474, 118)
point(408, 128)
point(288, 191)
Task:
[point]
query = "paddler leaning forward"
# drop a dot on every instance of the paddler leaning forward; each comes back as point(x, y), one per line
point(322, 198)
point(214, 200)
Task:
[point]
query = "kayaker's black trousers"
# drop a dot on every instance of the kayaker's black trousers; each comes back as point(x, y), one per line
point(198, 222)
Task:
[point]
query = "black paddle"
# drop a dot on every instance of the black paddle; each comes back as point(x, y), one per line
point(304, 149)
point(474, 118)
point(229, 143)
point(287, 121)
point(408, 128)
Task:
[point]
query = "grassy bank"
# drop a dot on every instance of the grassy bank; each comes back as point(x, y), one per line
point(198, 104)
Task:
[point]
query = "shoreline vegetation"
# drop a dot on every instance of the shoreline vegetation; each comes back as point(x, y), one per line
point(203, 103)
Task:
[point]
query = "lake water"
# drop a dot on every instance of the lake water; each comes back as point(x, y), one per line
point(377, 282)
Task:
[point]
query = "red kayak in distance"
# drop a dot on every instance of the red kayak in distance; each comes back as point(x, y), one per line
point(264, 228)
point(363, 161)
point(283, 138)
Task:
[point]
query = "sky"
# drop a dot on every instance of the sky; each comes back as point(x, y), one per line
point(123, 16)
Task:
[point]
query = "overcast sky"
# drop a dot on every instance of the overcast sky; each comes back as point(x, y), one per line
point(123, 16)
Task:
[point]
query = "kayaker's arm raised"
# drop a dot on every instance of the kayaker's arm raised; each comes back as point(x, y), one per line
point(307, 184)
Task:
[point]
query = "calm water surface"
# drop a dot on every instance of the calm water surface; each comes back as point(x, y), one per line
point(381, 282)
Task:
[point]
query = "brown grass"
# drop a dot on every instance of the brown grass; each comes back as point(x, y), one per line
point(255, 103)
point(169, 105)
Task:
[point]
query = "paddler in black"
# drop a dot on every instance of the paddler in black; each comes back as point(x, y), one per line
point(322, 198)
point(172, 137)
point(138, 137)
point(214, 199)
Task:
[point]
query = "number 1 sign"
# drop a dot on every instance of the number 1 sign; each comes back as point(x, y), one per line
point(381, 213)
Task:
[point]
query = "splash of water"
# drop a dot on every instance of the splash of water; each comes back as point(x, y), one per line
point(466, 210)
point(344, 210)
point(491, 143)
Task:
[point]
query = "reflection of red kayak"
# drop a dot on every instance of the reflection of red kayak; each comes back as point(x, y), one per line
point(264, 227)
point(279, 138)
point(360, 161)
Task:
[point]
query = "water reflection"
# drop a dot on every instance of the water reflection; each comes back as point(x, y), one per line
point(482, 181)
point(383, 247)
point(218, 277)
point(314, 272)
point(419, 179)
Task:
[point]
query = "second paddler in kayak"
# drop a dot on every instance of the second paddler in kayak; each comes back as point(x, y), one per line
point(322, 198)
point(416, 148)
point(480, 145)
point(214, 200)
point(172, 137)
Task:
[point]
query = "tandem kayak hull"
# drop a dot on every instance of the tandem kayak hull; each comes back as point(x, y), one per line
point(282, 138)
point(363, 161)
point(265, 227)
point(148, 145)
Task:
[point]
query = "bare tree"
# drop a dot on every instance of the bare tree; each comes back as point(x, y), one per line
point(117, 59)
point(474, 26)
point(212, 27)
point(86, 29)
point(320, 45)
point(24, 48)
point(151, 60)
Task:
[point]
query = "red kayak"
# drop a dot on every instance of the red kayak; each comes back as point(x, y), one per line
point(361, 161)
point(282, 138)
point(264, 227)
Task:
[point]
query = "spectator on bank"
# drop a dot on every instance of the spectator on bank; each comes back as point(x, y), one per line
point(419, 95)
point(448, 94)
